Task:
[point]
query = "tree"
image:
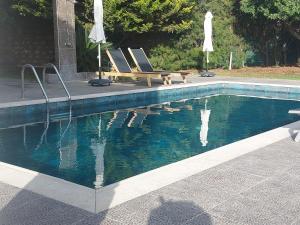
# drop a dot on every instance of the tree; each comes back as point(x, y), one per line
point(185, 51)
point(225, 37)
point(123, 19)
point(125, 16)
point(281, 15)
point(36, 8)
point(7, 14)
point(142, 16)
point(285, 12)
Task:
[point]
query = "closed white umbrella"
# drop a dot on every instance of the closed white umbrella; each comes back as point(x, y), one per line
point(97, 35)
point(207, 45)
point(205, 114)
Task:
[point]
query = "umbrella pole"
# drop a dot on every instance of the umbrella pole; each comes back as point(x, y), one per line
point(207, 61)
point(99, 61)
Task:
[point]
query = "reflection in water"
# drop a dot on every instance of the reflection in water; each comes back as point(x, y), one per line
point(98, 148)
point(104, 148)
point(139, 115)
point(205, 114)
point(118, 119)
point(67, 146)
point(42, 138)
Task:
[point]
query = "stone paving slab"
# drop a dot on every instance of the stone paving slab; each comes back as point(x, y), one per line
point(262, 187)
point(206, 219)
point(274, 201)
point(7, 200)
point(10, 89)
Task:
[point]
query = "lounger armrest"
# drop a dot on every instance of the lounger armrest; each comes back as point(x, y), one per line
point(162, 72)
point(150, 73)
point(184, 73)
point(170, 72)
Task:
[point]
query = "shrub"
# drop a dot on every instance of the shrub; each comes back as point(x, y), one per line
point(185, 51)
point(87, 51)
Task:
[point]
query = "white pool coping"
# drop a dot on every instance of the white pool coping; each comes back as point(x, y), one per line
point(128, 189)
point(126, 92)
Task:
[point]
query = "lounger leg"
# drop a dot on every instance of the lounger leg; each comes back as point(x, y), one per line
point(184, 79)
point(113, 78)
point(164, 80)
point(149, 81)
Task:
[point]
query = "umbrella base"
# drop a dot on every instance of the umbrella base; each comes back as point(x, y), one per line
point(100, 82)
point(207, 74)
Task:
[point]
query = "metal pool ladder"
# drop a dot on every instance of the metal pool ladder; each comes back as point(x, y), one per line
point(29, 66)
point(45, 67)
point(49, 66)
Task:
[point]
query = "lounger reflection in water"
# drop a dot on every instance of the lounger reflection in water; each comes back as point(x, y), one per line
point(118, 119)
point(184, 105)
point(143, 64)
point(139, 115)
point(168, 108)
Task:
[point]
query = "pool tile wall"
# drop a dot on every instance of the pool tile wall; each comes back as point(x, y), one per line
point(11, 116)
point(267, 91)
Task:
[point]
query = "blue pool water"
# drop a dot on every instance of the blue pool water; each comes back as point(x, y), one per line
point(116, 145)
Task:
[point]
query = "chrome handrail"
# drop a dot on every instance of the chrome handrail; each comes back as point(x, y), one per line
point(37, 78)
point(49, 66)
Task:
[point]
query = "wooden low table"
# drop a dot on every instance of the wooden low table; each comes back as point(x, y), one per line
point(296, 111)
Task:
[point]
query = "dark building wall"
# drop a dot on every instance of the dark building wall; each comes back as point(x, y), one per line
point(25, 41)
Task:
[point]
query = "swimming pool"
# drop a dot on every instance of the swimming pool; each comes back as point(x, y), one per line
point(111, 146)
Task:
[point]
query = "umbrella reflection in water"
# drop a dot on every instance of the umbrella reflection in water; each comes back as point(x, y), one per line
point(205, 114)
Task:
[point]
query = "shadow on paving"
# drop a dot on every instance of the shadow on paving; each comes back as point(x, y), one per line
point(165, 213)
point(22, 207)
point(178, 212)
point(27, 208)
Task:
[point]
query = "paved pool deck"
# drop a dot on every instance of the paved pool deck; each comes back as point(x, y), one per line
point(10, 89)
point(262, 187)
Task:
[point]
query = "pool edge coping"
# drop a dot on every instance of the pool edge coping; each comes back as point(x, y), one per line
point(135, 91)
point(136, 186)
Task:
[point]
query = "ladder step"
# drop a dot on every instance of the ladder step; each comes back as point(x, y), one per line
point(59, 116)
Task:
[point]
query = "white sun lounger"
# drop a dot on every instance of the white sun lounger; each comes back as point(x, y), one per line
point(143, 64)
point(122, 69)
